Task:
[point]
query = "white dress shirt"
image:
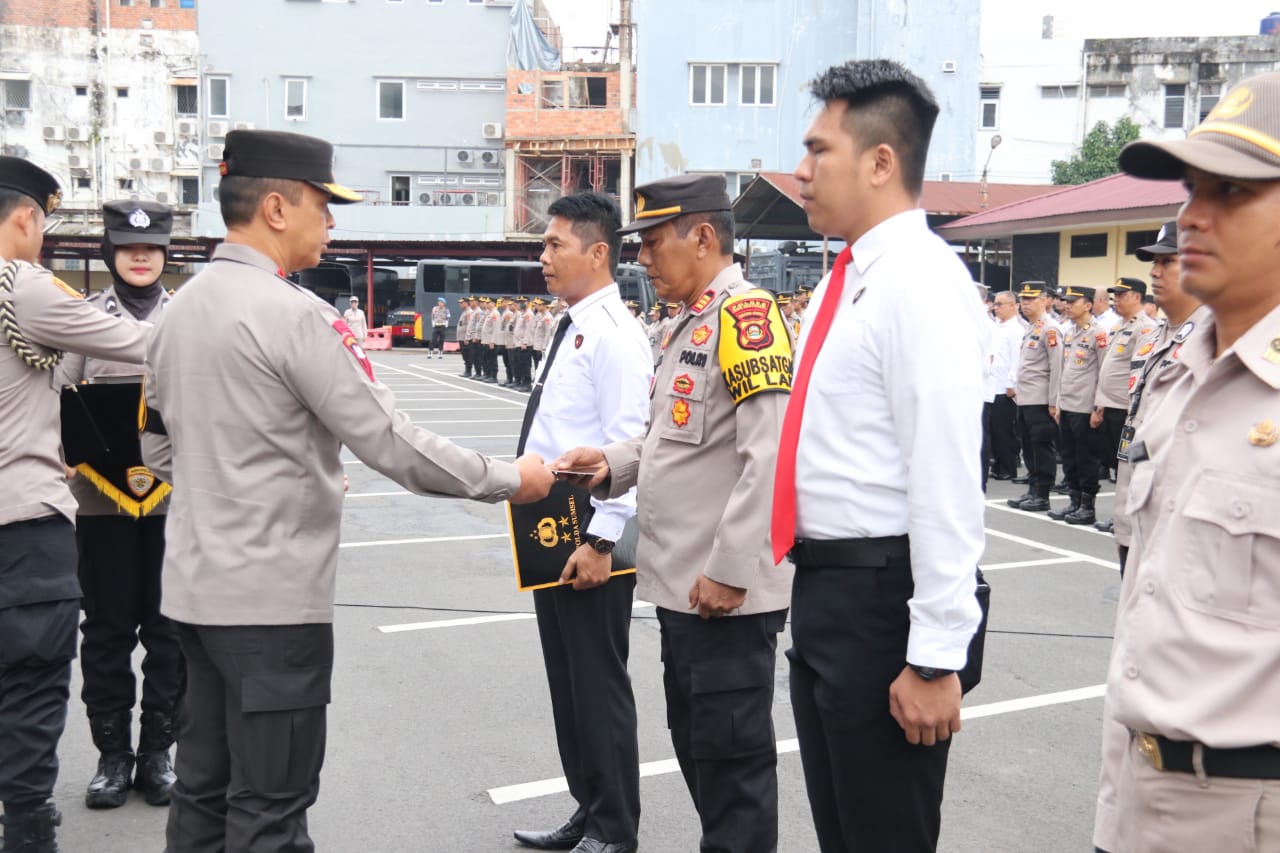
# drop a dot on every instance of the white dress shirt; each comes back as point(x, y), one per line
point(1006, 344)
point(891, 435)
point(595, 393)
point(1109, 320)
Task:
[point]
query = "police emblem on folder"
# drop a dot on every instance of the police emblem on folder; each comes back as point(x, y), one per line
point(544, 534)
point(100, 440)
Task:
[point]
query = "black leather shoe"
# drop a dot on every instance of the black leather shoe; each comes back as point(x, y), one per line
point(1021, 481)
point(591, 845)
point(1034, 504)
point(1002, 476)
point(1016, 503)
point(1061, 488)
point(564, 837)
point(1107, 526)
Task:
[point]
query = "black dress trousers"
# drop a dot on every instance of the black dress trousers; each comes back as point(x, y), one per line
point(586, 638)
point(1082, 450)
point(39, 607)
point(252, 737)
point(1039, 440)
point(719, 677)
point(870, 790)
point(120, 563)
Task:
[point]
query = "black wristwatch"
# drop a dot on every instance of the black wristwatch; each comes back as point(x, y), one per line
point(929, 673)
point(602, 546)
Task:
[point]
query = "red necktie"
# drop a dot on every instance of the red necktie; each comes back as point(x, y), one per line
point(783, 528)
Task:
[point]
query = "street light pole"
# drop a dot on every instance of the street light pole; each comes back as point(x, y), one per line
point(982, 205)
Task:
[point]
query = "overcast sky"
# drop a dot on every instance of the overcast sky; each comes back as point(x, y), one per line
point(585, 22)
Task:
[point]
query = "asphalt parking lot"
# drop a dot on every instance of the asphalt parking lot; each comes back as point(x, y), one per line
point(440, 735)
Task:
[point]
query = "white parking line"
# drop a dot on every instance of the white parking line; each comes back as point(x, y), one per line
point(473, 620)
point(1053, 549)
point(1051, 561)
point(490, 455)
point(544, 787)
point(477, 421)
point(520, 401)
point(1087, 528)
point(350, 495)
point(379, 543)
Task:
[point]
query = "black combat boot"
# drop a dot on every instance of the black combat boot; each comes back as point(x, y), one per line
point(1036, 502)
point(154, 776)
point(110, 786)
point(1084, 513)
point(31, 828)
point(1061, 514)
point(1016, 503)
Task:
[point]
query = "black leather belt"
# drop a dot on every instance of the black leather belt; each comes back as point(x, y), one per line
point(1249, 762)
point(873, 553)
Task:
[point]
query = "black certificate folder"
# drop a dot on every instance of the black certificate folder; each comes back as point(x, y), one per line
point(544, 535)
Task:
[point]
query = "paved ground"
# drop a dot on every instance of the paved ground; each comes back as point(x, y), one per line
point(440, 731)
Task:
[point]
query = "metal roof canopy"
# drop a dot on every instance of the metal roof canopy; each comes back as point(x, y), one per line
point(769, 209)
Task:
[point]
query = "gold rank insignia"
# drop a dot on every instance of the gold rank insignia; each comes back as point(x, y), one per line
point(1263, 434)
point(1273, 351)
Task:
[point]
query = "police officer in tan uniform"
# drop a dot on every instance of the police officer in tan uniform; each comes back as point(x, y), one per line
point(254, 424)
point(1111, 400)
point(1179, 308)
point(522, 338)
point(1191, 732)
point(439, 325)
point(1039, 376)
point(462, 334)
point(489, 332)
point(355, 319)
point(507, 343)
point(1079, 441)
point(120, 533)
point(705, 475)
point(39, 592)
point(478, 312)
point(541, 332)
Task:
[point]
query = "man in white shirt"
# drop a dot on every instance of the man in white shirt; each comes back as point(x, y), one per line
point(354, 318)
point(594, 391)
point(1000, 412)
point(1103, 313)
point(877, 495)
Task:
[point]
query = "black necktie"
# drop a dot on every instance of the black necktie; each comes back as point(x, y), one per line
point(535, 396)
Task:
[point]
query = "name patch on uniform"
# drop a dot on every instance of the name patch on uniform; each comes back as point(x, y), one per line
point(683, 384)
point(353, 346)
point(702, 301)
point(693, 358)
point(701, 335)
point(680, 413)
point(755, 358)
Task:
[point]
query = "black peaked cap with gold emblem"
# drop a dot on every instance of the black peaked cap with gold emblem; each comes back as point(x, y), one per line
point(291, 156)
point(1127, 284)
point(29, 179)
point(664, 200)
point(1071, 293)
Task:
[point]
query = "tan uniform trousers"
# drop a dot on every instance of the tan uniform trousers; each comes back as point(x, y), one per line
point(1169, 812)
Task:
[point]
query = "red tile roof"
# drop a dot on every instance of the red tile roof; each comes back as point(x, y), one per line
point(1118, 198)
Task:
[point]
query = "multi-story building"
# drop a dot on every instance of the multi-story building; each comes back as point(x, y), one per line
point(97, 92)
point(726, 90)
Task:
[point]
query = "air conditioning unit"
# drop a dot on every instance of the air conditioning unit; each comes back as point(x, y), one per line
point(491, 199)
point(77, 134)
point(949, 66)
point(217, 129)
point(466, 158)
point(425, 198)
point(443, 198)
point(244, 125)
point(469, 199)
point(160, 164)
point(77, 161)
point(135, 164)
point(188, 127)
point(14, 151)
point(52, 132)
point(162, 197)
point(163, 137)
point(490, 159)
point(213, 151)
point(491, 130)
point(944, 176)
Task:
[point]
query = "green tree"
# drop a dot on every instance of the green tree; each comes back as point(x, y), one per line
point(1099, 155)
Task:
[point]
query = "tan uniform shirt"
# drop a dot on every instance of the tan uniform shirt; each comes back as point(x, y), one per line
point(1113, 379)
point(356, 322)
point(51, 316)
point(1196, 655)
point(1039, 368)
point(439, 315)
point(1082, 352)
point(74, 369)
point(508, 338)
point(489, 327)
point(542, 324)
point(258, 405)
point(464, 323)
point(705, 466)
point(655, 334)
point(523, 334)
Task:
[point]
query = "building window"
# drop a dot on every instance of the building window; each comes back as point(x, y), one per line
point(126, 2)
point(1175, 104)
point(82, 91)
point(434, 2)
point(16, 94)
point(1059, 92)
point(188, 100)
point(553, 94)
point(189, 190)
point(990, 107)
point(391, 99)
point(125, 183)
point(400, 187)
point(1089, 245)
point(157, 4)
point(706, 84)
point(122, 91)
point(219, 97)
point(1107, 90)
point(757, 85)
point(84, 183)
point(295, 99)
point(1135, 240)
point(1209, 95)
point(744, 181)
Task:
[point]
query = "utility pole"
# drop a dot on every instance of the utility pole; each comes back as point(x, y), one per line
point(624, 105)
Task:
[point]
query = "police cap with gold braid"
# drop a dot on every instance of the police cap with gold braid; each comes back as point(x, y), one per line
point(29, 179)
point(664, 200)
point(1031, 289)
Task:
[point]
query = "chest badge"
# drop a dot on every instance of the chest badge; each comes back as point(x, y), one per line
point(1273, 351)
point(1263, 434)
point(577, 342)
point(683, 384)
point(680, 413)
point(141, 479)
point(700, 335)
